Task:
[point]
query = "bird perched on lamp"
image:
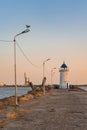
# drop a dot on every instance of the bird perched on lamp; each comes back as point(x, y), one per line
point(27, 26)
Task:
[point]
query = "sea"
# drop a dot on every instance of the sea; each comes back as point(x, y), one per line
point(84, 88)
point(10, 91)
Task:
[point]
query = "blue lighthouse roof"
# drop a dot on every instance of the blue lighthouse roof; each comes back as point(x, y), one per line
point(64, 65)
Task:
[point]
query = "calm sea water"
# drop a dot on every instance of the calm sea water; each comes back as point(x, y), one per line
point(84, 88)
point(6, 92)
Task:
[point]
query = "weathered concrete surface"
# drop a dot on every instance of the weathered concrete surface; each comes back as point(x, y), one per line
point(64, 110)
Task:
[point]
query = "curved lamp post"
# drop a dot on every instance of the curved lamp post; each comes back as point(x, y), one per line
point(15, 74)
point(44, 73)
point(44, 67)
point(52, 80)
point(52, 76)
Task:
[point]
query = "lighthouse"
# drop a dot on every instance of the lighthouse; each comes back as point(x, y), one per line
point(63, 75)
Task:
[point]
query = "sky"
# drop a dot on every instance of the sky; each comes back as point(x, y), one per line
point(58, 31)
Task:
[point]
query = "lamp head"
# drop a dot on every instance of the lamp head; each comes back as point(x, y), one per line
point(27, 30)
point(48, 59)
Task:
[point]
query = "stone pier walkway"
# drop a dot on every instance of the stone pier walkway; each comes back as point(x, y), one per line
point(63, 110)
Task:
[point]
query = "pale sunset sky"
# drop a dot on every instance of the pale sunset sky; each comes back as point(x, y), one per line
point(58, 31)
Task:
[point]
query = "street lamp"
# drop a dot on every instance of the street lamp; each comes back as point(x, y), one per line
point(52, 76)
point(52, 79)
point(44, 73)
point(15, 75)
point(44, 67)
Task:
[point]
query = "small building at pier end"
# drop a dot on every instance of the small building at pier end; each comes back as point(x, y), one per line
point(63, 75)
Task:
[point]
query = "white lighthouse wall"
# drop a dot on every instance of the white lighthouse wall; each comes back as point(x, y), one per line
point(63, 79)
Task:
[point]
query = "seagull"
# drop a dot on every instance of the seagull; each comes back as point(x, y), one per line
point(27, 26)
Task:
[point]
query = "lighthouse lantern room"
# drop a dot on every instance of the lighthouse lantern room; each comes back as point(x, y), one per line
point(63, 75)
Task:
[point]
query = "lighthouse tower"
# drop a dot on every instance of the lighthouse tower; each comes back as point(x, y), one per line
point(63, 75)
